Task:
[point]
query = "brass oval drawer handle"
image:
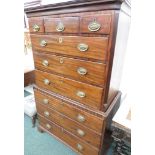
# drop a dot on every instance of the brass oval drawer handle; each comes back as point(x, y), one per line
point(81, 94)
point(82, 71)
point(46, 113)
point(48, 126)
point(80, 132)
point(36, 28)
point(45, 101)
point(60, 27)
point(46, 82)
point(45, 62)
point(43, 43)
point(94, 26)
point(79, 147)
point(82, 47)
point(80, 118)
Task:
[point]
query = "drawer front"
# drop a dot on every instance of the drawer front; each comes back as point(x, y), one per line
point(85, 71)
point(84, 93)
point(62, 25)
point(75, 142)
point(36, 24)
point(72, 126)
point(86, 47)
point(96, 23)
point(83, 117)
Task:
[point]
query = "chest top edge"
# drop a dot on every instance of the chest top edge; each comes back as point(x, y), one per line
point(73, 7)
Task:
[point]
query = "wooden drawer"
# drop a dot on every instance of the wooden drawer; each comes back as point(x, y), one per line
point(70, 139)
point(96, 23)
point(86, 47)
point(36, 24)
point(62, 25)
point(85, 71)
point(83, 117)
point(72, 126)
point(84, 93)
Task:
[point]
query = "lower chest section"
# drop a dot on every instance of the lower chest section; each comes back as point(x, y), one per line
point(80, 129)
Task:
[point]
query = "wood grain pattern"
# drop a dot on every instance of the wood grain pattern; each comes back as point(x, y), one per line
point(103, 19)
point(91, 121)
point(36, 20)
point(67, 137)
point(103, 58)
point(72, 126)
point(29, 78)
point(69, 67)
point(69, 88)
point(97, 46)
point(71, 24)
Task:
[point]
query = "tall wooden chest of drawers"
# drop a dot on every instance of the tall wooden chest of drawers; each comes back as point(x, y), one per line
point(78, 48)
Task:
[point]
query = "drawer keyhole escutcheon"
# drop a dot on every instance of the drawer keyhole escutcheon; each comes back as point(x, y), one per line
point(43, 43)
point(80, 132)
point(46, 113)
point(36, 28)
point(48, 126)
point(45, 63)
point(79, 147)
point(82, 71)
point(94, 26)
point(60, 40)
point(80, 118)
point(61, 60)
point(46, 82)
point(60, 27)
point(45, 101)
point(80, 94)
point(82, 47)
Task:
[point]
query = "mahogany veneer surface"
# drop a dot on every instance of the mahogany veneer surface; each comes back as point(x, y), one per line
point(78, 56)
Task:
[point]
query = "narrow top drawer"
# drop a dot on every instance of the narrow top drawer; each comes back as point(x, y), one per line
point(36, 24)
point(96, 23)
point(62, 25)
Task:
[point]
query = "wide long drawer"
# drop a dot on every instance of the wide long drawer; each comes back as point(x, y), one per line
point(79, 46)
point(85, 71)
point(85, 118)
point(84, 93)
point(72, 126)
point(73, 141)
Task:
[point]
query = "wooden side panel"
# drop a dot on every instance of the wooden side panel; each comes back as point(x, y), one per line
point(119, 55)
point(29, 78)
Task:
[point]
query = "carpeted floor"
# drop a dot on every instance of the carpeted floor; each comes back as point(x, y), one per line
point(36, 143)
